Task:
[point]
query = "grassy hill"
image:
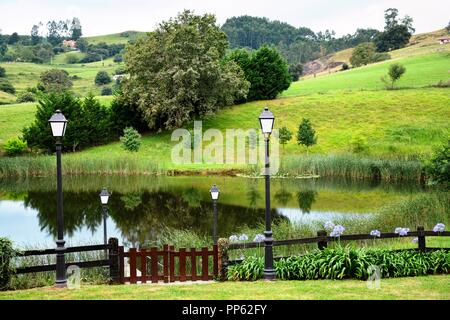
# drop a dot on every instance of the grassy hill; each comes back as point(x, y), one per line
point(123, 37)
point(407, 123)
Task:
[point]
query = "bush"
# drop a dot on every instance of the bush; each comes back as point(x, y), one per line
point(6, 86)
point(118, 58)
point(2, 72)
point(380, 56)
point(131, 139)
point(102, 78)
point(15, 146)
point(359, 144)
point(7, 253)
point(395, 72)
point(345, 66)
point(438, 168)
point(55, 80)
point(26, 97)
point(106, 91)
point(119, 71)
point(347, 262)
point(72, 59)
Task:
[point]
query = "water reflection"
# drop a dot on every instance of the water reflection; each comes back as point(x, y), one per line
point(141, 207)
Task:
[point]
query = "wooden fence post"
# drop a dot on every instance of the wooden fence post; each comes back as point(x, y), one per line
point(421, 239)
point(322, 243)
point(222, 262)
point(113, 254)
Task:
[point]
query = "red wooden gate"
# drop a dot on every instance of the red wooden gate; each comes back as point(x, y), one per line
point(168, 265)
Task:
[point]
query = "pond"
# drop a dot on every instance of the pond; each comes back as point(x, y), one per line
point(141, 206)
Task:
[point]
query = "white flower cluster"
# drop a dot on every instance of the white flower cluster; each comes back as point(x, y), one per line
point(259, 238)
point(242, 237)
point(375, 233)
point(338, 230)
point(233, 238)
point(440, 227)
point(401, 231)
point(328, 225)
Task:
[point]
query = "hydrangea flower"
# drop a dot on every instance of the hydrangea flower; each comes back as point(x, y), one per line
point(338, 230)
point(401, 231)
point(259, 238)
point(440, 227)
point(329, 225)
point(233, 238)
point(375, 233)
point(415, 240)
point(243, 237)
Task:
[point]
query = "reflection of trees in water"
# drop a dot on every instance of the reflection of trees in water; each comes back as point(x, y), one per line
point(305, 199)
point(253, 195)
point(282, 195)
point(141, 216)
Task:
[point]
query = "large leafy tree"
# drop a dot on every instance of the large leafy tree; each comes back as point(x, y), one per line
point(178, 73)
point(265, 69)
point(396, 33)
point(54, 80)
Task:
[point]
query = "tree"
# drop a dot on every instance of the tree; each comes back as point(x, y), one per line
point(2, 72)
point(395, 72)
point(75, 29)
point(396, 34)
point(438, 167)
point(448, 27)
point(362, 54)
point(265, 69)
point(285, 135)
point(131, 139)
point(13, 38)
point(102, 78)
point(177, 72)
point(54, 80)
point(82, 44)
point(35, 34)
point(306, 135)
point(296, 70)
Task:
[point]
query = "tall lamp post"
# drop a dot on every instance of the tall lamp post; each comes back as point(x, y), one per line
point(58, 124)
point(214, 196)
point(267, 120)
point(104, 198)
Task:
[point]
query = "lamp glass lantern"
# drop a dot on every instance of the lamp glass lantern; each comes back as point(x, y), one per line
point(266, 119)
point(58, 124)
point(104, 196)
point(214, 192)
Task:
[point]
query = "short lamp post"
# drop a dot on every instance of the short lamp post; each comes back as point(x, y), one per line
point(104, 198)
point(58, 124)
point(267, 120)
point(214, 196)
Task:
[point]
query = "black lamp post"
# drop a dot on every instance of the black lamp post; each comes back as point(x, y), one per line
point(214, 196)
point(104, 198)
point(266, 120)
point(58, 124)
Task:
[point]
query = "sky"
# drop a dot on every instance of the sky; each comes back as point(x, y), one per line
point(100, 17)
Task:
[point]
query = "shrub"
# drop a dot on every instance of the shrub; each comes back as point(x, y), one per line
point(359, 144)
point(395, 72)
point(380, 56)
point(106, 91)
point(6, 86)
point(131, 139)
point(54, 80)
point(119, 71)
point(347, 262)
point(102, 78)
point(438, 168)
point(72, 59)
point(2, 72)
point(118, 58)
point(15, 146)
point(26, 97)
point(7, 253)
point(442, 84)
point(345, 66)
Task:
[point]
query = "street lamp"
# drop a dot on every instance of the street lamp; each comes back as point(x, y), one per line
point(58, 124)
point(214, 196)
point(266, 120)
point(104, 198)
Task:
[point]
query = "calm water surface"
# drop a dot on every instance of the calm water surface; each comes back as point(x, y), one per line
point(140, 207)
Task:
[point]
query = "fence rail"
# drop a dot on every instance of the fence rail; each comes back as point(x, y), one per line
point(322, 241)
point(111, 260)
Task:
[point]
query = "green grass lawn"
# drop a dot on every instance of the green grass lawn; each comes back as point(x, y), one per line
point(116, 37)
point(421, 70)
point(429, 287)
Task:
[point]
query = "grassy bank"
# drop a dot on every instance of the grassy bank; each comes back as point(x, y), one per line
point(429, 287)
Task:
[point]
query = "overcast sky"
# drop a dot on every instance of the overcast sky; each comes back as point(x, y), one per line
point(111, 16)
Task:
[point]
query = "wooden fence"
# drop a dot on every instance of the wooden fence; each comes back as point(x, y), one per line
point(148, 262)
point(322, 241)
point(111, 260)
